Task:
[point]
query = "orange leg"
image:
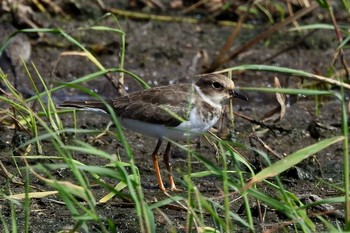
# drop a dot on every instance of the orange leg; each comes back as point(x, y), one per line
point(169, 168)
point(156, 165)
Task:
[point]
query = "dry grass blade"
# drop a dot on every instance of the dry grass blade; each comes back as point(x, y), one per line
point(22, 196)
point(264, 34)
point(281, 98)
point(222, 54)
point(5, 173)
point(166, 18)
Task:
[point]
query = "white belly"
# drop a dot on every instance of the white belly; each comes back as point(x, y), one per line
point(188, 129)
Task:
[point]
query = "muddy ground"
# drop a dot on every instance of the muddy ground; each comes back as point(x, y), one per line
point(163, 53)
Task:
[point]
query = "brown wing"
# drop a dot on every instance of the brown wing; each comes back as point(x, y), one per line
point(167, 105)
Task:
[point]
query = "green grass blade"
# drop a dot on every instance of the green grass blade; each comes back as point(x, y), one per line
point(293, 159)
point(289, 71)
point(290, 91)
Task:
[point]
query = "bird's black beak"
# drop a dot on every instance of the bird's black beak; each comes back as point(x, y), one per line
point(239, 96)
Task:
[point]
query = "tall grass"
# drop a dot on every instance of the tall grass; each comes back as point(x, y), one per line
point(45, 124)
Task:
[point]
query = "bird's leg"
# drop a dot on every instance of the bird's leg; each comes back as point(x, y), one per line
point(169, 168)
point(156, 165)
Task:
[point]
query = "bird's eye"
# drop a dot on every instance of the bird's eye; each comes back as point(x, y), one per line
point(217, 85)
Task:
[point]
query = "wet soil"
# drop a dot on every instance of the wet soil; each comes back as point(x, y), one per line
point(163, 53)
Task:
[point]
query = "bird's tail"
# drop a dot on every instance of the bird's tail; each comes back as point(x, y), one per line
point(87, 105)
